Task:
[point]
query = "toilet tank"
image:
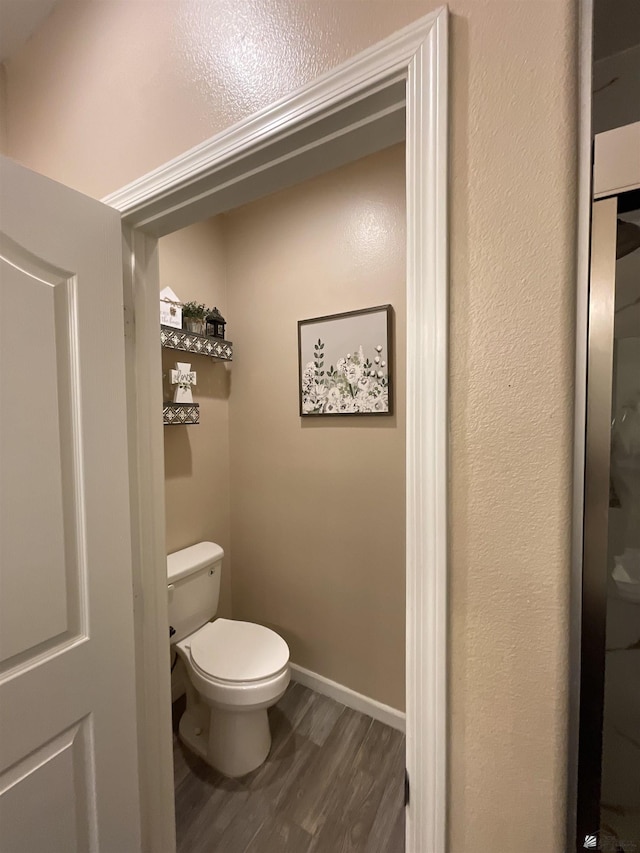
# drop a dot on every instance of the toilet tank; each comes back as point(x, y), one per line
point(193, 576)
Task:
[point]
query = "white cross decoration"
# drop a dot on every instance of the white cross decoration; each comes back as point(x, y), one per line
point(184, 378)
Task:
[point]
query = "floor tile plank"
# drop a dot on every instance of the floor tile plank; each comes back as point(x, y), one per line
point(384, 836)
point(322, 715)
point(280, 836)
point(353, 812)
point(380, 749)
point(308, 808)
point(332, 783)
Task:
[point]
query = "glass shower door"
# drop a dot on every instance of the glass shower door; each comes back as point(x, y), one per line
point(609, 754)
point(620, 787)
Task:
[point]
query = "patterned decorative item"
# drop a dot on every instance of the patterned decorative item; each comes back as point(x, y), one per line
point(189, 342)
point(174, 414)
point(183, 378)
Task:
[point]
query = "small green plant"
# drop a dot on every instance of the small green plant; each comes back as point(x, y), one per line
point(196, 310)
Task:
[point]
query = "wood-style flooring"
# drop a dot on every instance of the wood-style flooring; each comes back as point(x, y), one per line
point(333, 783)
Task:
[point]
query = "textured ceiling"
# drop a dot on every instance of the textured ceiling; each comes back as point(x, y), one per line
point(18, 19)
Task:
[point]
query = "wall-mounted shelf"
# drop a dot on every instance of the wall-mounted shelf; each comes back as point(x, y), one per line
point(176, 414)
point(201, 344)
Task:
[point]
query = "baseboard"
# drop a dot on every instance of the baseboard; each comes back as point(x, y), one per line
point(384, 713)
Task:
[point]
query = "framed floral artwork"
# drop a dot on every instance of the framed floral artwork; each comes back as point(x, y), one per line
point(345, 363)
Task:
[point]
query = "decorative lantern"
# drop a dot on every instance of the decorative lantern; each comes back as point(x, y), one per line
point(215, 324)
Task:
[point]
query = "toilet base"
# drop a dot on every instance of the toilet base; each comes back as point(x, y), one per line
point(193, 730)
point(232, 742)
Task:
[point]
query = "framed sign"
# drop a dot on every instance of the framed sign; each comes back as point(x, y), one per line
point(344, 363)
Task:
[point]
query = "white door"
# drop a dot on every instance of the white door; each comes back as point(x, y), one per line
point(68, 747)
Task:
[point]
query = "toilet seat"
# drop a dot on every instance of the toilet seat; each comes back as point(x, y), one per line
point(233, 653)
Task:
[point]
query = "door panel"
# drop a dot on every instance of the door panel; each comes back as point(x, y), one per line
point(54, 776)
point(38, 450)
point(68, 746)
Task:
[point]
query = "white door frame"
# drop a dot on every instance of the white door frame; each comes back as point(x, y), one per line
point(396, 89)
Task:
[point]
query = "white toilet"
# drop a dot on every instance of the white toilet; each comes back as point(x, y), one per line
point(236, 669)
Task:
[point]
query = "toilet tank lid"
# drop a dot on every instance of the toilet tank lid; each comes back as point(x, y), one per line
point(192, 559)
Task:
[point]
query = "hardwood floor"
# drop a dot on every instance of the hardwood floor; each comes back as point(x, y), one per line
point(333, 783)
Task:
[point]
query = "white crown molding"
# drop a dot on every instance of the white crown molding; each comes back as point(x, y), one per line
point(375, 65)
point(404, 78)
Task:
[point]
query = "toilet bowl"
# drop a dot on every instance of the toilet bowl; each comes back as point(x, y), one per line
point(236, 670)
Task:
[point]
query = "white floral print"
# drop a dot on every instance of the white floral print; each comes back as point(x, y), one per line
point(355, 385)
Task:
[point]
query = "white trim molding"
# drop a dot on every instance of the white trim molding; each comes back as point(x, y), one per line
point(351, 698)
point(427, 424)
point(395, 90)
point(149, 562)
point(583, 239)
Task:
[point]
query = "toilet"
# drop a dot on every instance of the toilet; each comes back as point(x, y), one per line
point(236, 670)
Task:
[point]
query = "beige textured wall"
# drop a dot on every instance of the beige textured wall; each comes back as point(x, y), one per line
point(318, 505)
point(196, 458)
point(108, 90)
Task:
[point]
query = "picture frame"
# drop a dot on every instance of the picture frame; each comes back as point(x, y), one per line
point(345, 363)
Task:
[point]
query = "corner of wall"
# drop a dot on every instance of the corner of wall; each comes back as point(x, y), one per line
point(193, 263)
point(4, 119)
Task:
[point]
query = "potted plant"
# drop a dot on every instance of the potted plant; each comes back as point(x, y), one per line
point(193, 317)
